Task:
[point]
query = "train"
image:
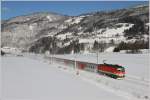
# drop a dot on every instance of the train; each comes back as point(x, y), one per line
point(111, 70)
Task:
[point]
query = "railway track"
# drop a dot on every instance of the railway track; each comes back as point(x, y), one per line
point(136, 80)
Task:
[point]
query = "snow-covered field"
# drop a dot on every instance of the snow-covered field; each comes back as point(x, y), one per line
point(136, 81)
point(28, 79)
point(34, 78)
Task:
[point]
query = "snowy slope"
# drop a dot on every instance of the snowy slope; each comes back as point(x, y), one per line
point(21, 31)
point(28, 79)
point(74, 20)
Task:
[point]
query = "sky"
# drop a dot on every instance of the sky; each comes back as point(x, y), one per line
point(11, 9)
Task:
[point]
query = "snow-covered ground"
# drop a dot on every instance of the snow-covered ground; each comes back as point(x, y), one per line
point(136, 82)
point(30, 79)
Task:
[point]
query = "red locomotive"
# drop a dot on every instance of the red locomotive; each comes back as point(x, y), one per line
point(114, 71)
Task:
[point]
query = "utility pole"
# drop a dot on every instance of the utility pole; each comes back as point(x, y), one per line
point(97, 45)
point(75, 63)
point(51, 54)
point(97, 57)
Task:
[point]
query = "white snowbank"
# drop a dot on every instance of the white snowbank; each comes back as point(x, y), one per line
point(110, 49)
point(11, 50)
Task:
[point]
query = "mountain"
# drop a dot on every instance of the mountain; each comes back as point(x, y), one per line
point(21, 31)
point(96, 31)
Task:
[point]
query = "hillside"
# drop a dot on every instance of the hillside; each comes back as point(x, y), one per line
point(96, 31)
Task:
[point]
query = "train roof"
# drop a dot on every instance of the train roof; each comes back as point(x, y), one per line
point(113, 65)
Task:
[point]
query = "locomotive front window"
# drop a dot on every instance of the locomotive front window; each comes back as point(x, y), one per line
point(119, 69)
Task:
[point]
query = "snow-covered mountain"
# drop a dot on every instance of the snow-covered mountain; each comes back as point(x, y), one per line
point(21, 31)
point(41, 32)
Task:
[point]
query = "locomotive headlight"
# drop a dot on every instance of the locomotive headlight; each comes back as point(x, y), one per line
point(120, 74)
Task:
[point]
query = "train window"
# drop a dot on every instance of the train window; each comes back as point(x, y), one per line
point(119, 69)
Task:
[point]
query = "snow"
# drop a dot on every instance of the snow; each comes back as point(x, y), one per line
point(77, 20)
point(63, 36)
point(144, 51)
point(110, 49)
point(74, 20)
point(66, 44)
point(117, 34)
point(68, 21)
point(62, 26)
point(129, 88)
point(148, 24)
point(11, 50)
point(31, 27)
point(136, 82)
point(49, 18)
point(110, 32)
point(86, 40)
point(29, 79)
